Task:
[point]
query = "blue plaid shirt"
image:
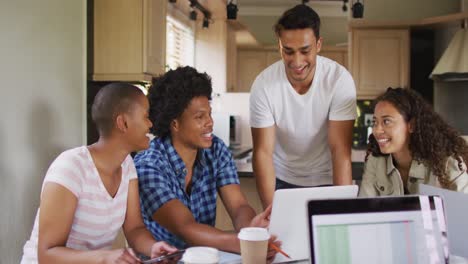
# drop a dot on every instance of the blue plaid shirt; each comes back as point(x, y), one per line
point(161, 177)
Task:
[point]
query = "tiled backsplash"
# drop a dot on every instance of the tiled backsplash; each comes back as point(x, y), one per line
point(450, 101)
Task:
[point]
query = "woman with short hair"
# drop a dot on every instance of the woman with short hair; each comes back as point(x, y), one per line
point(91, 192)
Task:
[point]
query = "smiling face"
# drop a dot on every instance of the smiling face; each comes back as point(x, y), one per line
point(299, 48)
point(138, 124)
point(194, 128)
point(390, 129)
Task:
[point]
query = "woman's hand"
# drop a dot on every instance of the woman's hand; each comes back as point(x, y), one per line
point(161, 248)
point(122, 256)
point(262, 219)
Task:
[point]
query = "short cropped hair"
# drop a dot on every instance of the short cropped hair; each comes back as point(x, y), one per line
point(171, 94)
point(299, 17)
point(112, 100)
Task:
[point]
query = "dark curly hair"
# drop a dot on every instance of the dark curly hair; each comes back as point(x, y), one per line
point(432, 141)
point(299, 17)
point(171, 93)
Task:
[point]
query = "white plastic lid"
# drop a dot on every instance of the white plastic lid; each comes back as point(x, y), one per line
point(254, 234)
point(201, 255)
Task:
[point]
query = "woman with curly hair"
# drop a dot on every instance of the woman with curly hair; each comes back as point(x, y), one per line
point(411, 144)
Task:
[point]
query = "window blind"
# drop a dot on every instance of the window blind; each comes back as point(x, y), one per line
point(180, 46)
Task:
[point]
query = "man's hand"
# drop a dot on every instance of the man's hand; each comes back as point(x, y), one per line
point(262, 219)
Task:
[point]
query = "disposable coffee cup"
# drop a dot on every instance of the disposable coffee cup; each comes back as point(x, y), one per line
point(254, 245)
point(201, 255)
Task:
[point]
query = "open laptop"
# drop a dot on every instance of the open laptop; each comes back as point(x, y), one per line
point(288, 219)
point(401, 229)
point(456, 208)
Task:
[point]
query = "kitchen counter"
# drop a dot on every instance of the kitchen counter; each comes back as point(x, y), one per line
point(244, 164)
point(243, 160)
point(245, 170)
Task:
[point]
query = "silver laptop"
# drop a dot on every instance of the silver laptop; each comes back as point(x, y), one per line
point(456, 210)
point(397, 229)
point(289, 217)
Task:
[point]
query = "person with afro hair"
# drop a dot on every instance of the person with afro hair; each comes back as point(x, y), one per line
point(186, 167)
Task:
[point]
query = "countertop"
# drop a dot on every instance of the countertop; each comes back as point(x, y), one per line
point(244, 163)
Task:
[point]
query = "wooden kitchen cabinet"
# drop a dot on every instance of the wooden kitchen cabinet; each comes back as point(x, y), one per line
point(379, 59)
point(231, 59)
point(129, 39)
point(251, 62)
point(272, 56)
point(338, 54)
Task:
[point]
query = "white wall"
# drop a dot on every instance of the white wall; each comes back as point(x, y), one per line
point(42, 104)
point(238, 104)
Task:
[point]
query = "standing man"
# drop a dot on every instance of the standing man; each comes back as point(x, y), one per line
point(302, 111)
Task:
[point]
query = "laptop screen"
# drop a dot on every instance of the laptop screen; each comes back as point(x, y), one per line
point(378, 230)
point(288, 219)
point(456, 210)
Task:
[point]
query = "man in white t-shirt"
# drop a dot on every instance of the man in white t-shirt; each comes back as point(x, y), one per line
point(302, 111)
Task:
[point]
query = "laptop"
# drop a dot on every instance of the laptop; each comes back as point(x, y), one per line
point(398, 229)
point(288, 219)
point(456, 208)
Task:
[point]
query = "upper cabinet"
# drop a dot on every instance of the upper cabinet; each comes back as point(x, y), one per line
point(338, 54)
point(129, 39)
point(250, 63)
point(379, 59)
point(231, 59)
point(380, 51)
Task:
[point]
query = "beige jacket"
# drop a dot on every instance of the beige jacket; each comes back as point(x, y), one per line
point(382, 178)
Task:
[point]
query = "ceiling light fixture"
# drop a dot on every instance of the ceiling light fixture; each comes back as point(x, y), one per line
point(344, 7)
point(193, 15)
point(206, 13)
point(206, 23)
point(358, 9)
point(231, 9)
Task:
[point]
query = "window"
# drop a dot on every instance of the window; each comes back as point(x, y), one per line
point(180, 45)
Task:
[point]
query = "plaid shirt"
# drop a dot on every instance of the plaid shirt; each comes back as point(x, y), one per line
point(161, 177)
